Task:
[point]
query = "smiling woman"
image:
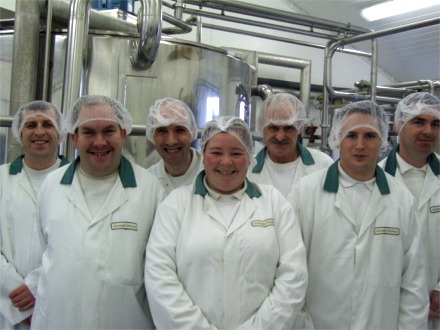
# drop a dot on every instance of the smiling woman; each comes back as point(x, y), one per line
point(240, 236)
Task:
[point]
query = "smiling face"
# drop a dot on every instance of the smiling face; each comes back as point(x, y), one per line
point(360, 149)
point(173, 144)
point(40, 138)
point(99, 143)
point(418, 139)
point(226, 163)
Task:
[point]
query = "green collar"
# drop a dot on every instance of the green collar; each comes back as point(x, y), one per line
point(331, 183)
point(17, 165)
point(391, 162)
point(252, 189)
point(126, 173)
point(306, 157)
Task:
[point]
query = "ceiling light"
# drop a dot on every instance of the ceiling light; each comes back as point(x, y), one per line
point(395, 7)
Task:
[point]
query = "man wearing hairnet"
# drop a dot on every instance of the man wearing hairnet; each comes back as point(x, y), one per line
point(363, 238)
point(224, 252)
point(171, 127)
point(284, 160)
point(38, 127)
point(95, 217)
point(414, 162)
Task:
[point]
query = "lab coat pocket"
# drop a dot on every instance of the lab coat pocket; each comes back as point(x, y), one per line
point(125, 254)
point(385, 260)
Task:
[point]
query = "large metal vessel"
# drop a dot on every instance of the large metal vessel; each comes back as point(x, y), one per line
point(210, 80)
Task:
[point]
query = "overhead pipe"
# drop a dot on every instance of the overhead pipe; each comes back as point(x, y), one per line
point(281, 39)
point(276, 15)
point(289, 62)
point(240, 20)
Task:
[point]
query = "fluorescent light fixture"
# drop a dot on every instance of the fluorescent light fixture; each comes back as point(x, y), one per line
point(395, 7)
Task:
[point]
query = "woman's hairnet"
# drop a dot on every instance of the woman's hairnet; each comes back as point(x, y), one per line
point(114, 111)
point(413, 105)
point(374, 117)
point(282, 109)
point(231, 125)
point(38, 108)
point(169, 111)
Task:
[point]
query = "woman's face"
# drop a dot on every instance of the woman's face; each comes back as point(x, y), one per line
point(226, 163)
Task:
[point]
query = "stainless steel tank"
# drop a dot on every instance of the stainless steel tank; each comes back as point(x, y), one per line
point(212, 81)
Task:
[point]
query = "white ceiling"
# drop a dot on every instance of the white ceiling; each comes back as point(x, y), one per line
point(406, 56)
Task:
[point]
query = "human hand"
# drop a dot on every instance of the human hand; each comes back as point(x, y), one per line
point(22, 298)
point(434, 306)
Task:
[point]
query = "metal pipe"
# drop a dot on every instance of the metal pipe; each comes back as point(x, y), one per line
point(25, 54)
point(197, 20)
point(386, 32)
point(25, 61)
point(276, 15)
point(178, 9)
point(76, 56)
point(47, 48)
point(240, 20)
point(263, 91)
point(180, 26)
point(374, 64)
point(295, 63)
point(150, 33)
point(5, 121)
point(291, 41)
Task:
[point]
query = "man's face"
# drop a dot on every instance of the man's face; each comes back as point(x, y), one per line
point(173, 144)
point(419, 137)
point(99, 144)
point(39, 136)
point(360, 150)
point(281, 143)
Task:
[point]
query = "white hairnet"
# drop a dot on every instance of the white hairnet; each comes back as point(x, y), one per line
point(414, 105)
point(282, 109)
point(343, 121)
point(231, 125)
point(169, 111)
point(114, 111)
point(38, 108)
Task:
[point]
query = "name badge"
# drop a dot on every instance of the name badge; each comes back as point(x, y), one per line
point(124, 226)
point(434, 209)
point(262, 223)
point(386, 231)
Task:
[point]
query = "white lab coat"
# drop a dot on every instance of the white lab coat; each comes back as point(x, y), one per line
point(201, 275)
point(159, 171)
point(92, 276)
point(310, 161)
point(20, 248)
point(428, 208)
point(374, 279)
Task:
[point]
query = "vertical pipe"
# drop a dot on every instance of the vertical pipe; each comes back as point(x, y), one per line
point(76, 56)
point(25, 60)
point(374, 63)
point(47, 48)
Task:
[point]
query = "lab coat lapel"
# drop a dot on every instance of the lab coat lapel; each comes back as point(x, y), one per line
point(244, 213)
point(342, 203)
point(24, 182)
point(76, 197)
point(211, 210)
point(114, 200)
point(375, 207)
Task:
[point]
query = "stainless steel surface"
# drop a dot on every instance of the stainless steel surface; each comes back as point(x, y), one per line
point(150, 18)
point(196, 74)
